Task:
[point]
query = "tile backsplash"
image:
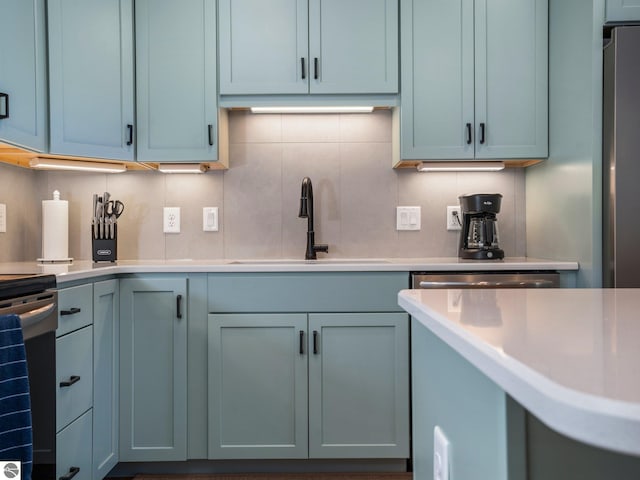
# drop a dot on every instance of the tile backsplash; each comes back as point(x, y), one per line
point(347, 157)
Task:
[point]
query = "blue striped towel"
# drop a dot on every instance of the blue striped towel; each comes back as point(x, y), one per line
point(16, 441)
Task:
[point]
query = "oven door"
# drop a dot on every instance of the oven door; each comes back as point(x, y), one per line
point(39, 319)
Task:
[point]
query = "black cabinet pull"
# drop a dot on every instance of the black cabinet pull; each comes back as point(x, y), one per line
point(72, 379)
point(4, 99)
point(482, 133)
point(468, 134)
point(179, 306)
point(71, 311)
point(301, 342)
point(315, 342)
point(210, 134)
point(304, 70)
point(315, 68)
point(73, 471)
point(130, 131)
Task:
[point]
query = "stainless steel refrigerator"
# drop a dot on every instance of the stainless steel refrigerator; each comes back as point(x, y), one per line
point(621, 159)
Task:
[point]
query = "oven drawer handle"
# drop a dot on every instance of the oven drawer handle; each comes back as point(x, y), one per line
point(32, 317)
point(73, 471)
point(72, 379)
point(71, 311)
point(485, 284)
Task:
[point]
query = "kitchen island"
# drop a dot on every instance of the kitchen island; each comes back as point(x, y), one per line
point(547, 379)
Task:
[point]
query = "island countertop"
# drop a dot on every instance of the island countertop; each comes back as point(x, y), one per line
point(569, 356)
point(79, 270)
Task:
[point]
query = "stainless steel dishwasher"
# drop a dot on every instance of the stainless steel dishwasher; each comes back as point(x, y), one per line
point(497, 279)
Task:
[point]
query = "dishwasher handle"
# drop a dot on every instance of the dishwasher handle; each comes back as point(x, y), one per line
point(534, 283)
point(30, 318)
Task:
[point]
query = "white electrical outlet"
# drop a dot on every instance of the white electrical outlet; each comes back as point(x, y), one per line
point(210, 219)
point(440, 455)
point(407, 218)
point(171, 221)
point(454, 218)
point(3, 218)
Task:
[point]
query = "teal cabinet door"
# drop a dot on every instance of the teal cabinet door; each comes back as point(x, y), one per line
point(106, 356)
point(622, 10)
point(176, 80)
point(437, 111)
point(257, 386)
point(359, 385)
point(23, 74)
point(353, 46)
point(91, 78)
point(263, 46)
point(308, 46)
point(511, 79)
point(153, 369)
point(467, 92)
point(73, 449)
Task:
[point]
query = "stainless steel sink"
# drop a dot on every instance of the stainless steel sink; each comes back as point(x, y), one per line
point(324, 261)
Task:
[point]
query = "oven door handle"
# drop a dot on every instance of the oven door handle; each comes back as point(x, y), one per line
point(537, 283)
point(36, 315)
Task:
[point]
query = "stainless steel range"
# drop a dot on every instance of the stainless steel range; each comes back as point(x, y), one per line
point(34, 299)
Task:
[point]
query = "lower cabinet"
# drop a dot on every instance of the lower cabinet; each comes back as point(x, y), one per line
point(73, 452)
point(106, 356)
point(153, 368)
point(354, 367)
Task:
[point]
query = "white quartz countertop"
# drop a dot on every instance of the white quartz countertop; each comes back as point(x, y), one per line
point(569, 356)
point(78, 270)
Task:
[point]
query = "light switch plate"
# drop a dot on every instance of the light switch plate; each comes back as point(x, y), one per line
point(171, 219)
point(3, 218)
point(210, 219)
point(407, 218)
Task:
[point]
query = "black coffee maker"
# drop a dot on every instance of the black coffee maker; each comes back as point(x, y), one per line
point(479, 235)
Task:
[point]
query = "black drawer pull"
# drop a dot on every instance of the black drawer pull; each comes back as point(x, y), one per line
point(4, 98)
point(468, 134)
point(179, 306)
point(482, 132)
point(315, 68)
point(130, 132)
point(72, 379)
point(315, 342)
point(304, 70)
point(71, 311)
point(210, 126)
point(73, 471)
point(301, 342)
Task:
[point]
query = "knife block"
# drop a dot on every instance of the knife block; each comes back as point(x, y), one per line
point(105, 249)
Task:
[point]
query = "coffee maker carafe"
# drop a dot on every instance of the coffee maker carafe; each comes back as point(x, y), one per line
point(479, 236)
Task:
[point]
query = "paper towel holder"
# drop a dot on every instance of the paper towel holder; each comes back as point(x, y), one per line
point(59, 209)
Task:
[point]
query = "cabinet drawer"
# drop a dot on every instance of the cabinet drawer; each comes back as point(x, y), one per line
point(75, 308)
point(74, 375)
point(306, 292)
point(73, 448)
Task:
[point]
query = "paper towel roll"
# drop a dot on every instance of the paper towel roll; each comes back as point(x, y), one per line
point(55, 229)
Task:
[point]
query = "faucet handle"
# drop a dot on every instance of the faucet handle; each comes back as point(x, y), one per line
point(321, 248)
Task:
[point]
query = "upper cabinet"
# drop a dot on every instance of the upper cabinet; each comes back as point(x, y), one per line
point(622, 10)
point(474, 79)
point(173, 115)
point(23, 76)
point(176, 80)
point(308, 46)
point(91, 78)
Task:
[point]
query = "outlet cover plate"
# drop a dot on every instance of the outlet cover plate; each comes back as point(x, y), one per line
point(454, 217)
point(171, 220)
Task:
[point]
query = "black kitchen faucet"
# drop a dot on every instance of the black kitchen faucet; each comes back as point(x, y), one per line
point(306, 211)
